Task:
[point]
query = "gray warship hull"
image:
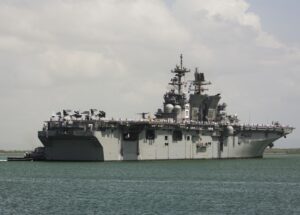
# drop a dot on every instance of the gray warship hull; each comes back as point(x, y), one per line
point(190, 126)
point(128, 140)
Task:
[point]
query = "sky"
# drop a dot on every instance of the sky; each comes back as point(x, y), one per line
point(116, 55)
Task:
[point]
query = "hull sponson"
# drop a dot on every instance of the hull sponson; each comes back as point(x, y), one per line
point(71, 147)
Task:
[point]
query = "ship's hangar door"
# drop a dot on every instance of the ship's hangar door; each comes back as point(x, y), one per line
point(130, 145)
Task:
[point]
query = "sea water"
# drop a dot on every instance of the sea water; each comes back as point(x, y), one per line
point(240, 186)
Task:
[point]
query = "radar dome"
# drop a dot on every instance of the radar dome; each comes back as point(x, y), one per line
point(169, 108)
point(230, 130)
point(177, 108)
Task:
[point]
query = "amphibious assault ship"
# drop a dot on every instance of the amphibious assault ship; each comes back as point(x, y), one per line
point(190, 125)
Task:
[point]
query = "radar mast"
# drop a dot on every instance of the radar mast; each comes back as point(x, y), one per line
point(179, 74)
point(199, 82)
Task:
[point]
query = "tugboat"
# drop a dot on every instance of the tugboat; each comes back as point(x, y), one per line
point(36, 155)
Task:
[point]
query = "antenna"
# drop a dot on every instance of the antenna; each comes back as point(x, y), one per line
point(181, 61)
point(179, 74)
point(199, 82)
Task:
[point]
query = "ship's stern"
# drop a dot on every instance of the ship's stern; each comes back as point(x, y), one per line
point(71, 146)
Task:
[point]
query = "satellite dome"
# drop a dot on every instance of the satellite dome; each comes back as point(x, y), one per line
point(230, 130)
point(177, 108)
point(169, 108)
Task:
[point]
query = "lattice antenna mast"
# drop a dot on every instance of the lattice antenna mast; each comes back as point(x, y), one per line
point(199, 82)
point(181, 61)
point(179, 74)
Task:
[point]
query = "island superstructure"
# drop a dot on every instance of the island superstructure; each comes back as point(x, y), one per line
point(190, 125)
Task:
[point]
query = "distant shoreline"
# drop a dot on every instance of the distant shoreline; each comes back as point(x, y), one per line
point(282, 151)
point(14, 151)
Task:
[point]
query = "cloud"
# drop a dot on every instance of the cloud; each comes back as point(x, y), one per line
point(116, 55)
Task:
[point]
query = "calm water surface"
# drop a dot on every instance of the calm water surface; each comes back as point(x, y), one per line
point(253, 186)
